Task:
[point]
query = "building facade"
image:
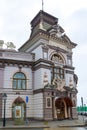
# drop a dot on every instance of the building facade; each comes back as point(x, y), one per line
point(39, 78)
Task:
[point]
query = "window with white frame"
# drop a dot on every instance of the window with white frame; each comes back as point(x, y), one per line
point(45, 55)
point(19, 81)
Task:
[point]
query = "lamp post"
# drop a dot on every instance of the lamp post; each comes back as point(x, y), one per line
point(4, 98)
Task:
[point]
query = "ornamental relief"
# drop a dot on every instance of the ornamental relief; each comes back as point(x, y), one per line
point(45, 79)
point(56, 58)
point(59, 83)
point(57, 45)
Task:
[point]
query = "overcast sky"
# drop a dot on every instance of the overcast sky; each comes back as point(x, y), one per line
point(15, 18)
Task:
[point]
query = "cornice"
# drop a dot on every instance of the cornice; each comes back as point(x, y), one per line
point(10, 61)
point(68, 67)
point(69, 72)
point(44, 35)
point(41, 66)
point(38, 91)
point(41, 63)
point(44, 61)
point(57, 49)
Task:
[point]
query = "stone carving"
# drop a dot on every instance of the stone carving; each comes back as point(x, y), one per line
point(59, 83)
point(57, 59)
point(57, 30)
point(70, 83)
point(45, 81)
point(10, 45)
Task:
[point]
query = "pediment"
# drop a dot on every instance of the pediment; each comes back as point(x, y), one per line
point(58, 32)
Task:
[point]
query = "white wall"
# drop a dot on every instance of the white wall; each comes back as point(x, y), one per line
point(39, 77)
point(38, 52)
point(38, 106)
point(29, 111)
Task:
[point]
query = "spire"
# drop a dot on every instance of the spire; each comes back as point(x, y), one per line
point(42, 5)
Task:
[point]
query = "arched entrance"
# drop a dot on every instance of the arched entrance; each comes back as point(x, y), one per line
point(18, 110)
point(63, 107)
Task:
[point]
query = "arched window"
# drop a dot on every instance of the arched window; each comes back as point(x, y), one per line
point(57, 59)
point(19, 81)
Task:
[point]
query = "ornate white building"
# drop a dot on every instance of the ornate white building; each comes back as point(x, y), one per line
point(39, 78)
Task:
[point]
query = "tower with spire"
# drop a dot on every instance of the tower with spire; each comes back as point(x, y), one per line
point(53, 57)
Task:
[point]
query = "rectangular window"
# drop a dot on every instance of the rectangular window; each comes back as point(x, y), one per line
point(48, 102)
point(45, 55)
point(57, 72)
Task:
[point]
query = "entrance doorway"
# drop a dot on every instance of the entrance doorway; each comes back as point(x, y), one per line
point(63, 107)
point(18, 110)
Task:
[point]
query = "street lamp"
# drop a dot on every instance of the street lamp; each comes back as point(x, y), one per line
point(4, 98)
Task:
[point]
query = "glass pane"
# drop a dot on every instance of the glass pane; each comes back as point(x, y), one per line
point(61, 71)
point(61, 76)
point(58, 76)
point(19, 84)
point(55, 75)
point(19, 75)
point(14, 84)
point(55, 70)
point(23, 84)
point(48, 102)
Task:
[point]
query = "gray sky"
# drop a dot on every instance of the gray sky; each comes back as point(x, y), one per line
point(15, 18)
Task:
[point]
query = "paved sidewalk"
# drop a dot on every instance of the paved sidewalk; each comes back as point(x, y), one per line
point(60, 123)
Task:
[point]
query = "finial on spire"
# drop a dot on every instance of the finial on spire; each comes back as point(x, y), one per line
point(42, 5)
